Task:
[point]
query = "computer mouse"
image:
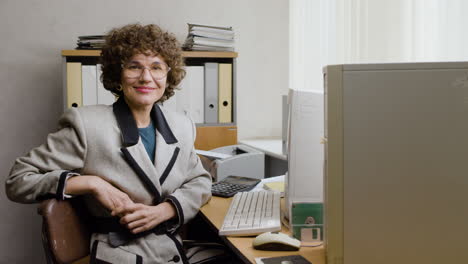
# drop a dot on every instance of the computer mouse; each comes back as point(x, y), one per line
point(276, 241)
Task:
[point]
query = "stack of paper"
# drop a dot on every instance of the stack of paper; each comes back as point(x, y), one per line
point(90, 42)
point(275, 183)
point(209, 38)
point(275, 186)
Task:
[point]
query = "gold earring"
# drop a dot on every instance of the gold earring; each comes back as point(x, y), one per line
point(119, 88)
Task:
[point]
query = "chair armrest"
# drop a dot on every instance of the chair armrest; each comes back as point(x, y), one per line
point(65, 232)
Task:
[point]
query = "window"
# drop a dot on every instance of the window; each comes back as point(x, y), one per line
point(372, 31)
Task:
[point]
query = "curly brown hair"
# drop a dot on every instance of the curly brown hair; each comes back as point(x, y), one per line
point(124, 42)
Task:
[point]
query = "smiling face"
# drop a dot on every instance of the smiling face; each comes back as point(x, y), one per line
point(142, 90)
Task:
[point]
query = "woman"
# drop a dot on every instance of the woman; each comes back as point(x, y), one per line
point(133, 162)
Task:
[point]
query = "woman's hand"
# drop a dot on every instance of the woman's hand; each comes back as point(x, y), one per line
point(108, 196)
point(139, 217)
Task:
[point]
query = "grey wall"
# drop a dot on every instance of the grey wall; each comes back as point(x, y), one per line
point(34, 32)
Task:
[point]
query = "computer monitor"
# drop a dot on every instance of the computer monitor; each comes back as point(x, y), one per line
point(304, 180)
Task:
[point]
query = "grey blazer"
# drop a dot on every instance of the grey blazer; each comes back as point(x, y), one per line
point(104, 141)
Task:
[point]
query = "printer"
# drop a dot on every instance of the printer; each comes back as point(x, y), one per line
point(237, 160)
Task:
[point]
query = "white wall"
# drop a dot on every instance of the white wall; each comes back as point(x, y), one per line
point(33, 33)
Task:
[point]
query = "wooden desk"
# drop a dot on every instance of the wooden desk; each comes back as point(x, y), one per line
point(214, 213)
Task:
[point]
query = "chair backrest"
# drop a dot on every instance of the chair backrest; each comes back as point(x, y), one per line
point(65, 231)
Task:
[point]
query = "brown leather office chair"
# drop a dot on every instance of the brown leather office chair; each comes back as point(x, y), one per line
point(65, 232)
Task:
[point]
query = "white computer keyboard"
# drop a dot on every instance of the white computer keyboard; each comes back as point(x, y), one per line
point(252, 213)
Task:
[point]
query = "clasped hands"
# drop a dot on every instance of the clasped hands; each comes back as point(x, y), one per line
point(137, 217)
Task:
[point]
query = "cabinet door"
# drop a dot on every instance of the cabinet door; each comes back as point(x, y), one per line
point(211, 137)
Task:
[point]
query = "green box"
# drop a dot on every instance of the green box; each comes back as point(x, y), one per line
point(307, 218)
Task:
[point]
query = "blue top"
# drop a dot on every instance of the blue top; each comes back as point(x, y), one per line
point(148, 137)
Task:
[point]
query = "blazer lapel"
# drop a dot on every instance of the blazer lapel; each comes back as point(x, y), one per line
point(138, 159)
point(166, 147)
point(166, 154)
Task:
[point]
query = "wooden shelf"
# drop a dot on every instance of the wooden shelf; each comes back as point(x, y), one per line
point(81, 53)
point(186, 54)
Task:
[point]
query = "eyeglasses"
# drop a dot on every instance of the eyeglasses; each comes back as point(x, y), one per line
point(158, 70)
